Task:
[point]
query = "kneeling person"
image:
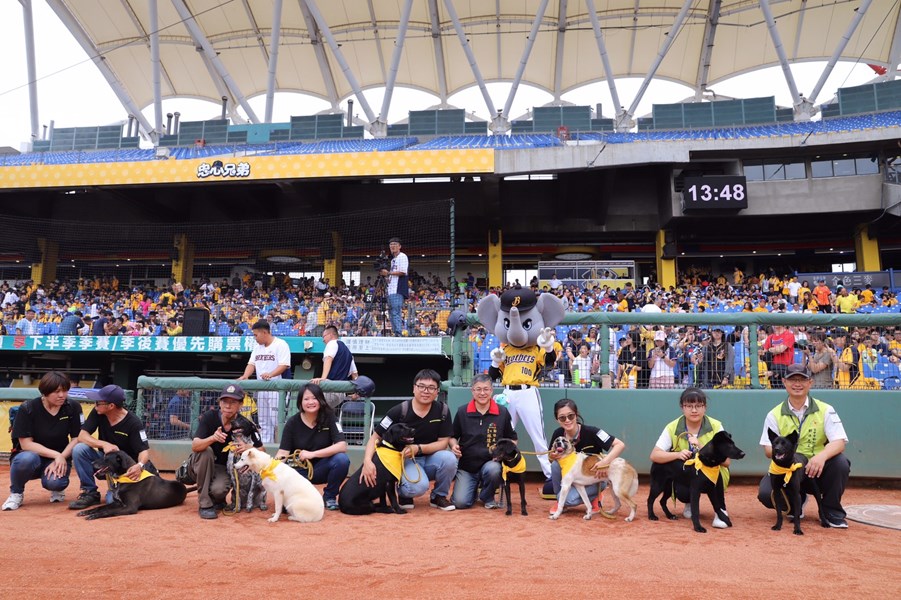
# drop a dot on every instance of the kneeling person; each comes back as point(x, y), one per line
point(433, 426)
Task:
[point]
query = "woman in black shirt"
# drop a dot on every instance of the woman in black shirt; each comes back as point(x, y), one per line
point(315, 433)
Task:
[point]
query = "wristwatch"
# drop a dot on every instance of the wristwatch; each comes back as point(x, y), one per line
point(140, 464)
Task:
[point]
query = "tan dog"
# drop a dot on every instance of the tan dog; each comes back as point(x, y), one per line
point(621, 477)
point(287, 487)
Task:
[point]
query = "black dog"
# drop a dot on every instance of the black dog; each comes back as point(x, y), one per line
point(149, 493)
point(513, 463)
point(356, 498)
point(706, 478)
point(664, 480)
point(786, 475)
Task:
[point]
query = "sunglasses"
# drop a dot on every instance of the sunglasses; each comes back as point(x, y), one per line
point(566, 418)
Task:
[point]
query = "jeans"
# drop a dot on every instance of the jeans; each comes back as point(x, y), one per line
point(332, 471)
point(26, 466)
point(573, 498)
point(395, 308)
point(466, 484)
point(439, 467)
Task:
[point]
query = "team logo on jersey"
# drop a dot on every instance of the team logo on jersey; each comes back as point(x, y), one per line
point(220, 169)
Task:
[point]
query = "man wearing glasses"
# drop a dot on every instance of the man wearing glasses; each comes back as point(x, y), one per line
point(477, 427)
point(117, 429)
point(433, 430)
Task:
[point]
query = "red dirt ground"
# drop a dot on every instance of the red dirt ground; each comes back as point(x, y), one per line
point(51, 553)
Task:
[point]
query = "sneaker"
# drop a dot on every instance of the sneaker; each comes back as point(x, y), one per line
point(441, 503)
point(547, 491)
point(719, 523)
point(57, 496)
point(596, 505)
point(85, 500)
point(331, 504)
point(834, 522)
point(208, 513)
point(405, 503)
point(14, 501)
point(791, 517)
point(491, 505)
point(687, 512)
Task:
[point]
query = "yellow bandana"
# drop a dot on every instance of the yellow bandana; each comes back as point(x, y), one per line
point(229, 448)
point(269, 471)
point(392, 459)
point(786, 471)
point(567, 463)
point(519, 468)
point(125, 479)
point(711, 473)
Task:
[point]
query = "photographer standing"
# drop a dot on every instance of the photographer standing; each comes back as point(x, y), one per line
point(398, 289)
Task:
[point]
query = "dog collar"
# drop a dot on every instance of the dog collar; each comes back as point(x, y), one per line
point(711, 473)
point(268, 472)
point(519, 468)
point(786, 471)
point(125, 479)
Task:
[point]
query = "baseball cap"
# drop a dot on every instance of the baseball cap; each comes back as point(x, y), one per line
point(232, 391)
point(111, 393)
point(521, 299)
point(660, 336)
point(797, 369)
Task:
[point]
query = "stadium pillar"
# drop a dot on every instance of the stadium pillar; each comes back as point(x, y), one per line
point(183, 260)
point(666, 260)
point(333, 262)
point(866, 249)
point(44, 272)
point(495, 258)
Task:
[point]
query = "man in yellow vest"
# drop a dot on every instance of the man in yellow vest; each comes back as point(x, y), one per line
point(822, 441)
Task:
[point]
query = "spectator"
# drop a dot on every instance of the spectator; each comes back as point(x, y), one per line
point(71, 323)
point(27, 325)
point(398, 286)
point(337, 363)
point(178, 412)
point(780, 345)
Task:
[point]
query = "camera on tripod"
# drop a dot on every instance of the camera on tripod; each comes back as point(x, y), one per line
point(382, 262)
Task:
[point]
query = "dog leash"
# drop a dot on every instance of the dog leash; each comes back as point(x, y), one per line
point(294, 460)
point(403, 471)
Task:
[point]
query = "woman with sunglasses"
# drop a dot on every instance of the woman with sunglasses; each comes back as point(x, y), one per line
point(587, 439)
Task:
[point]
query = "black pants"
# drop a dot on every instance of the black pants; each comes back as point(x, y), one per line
point(832, 481)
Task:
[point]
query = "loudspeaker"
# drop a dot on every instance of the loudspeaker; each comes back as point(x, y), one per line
point(669, 251)
point(494, 235)
point(197, 322)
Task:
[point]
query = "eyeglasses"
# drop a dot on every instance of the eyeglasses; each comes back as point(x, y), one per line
point(694, 406)
point(431, 389)
point(481, 390)
point(566, 418)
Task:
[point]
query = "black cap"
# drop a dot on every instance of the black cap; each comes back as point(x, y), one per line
point(796, 369)
point(232, 391)
point(518, 297)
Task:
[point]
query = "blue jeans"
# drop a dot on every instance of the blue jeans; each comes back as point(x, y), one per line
point(332, 471)
point(573, 498)
point(439, 467)
point(26, 466)
point(395, 309)
point(466, 484)
point(83, 457)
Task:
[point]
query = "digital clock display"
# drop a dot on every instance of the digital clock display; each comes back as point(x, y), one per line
point(714, 193)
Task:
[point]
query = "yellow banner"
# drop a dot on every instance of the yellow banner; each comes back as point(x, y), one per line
point(251, 168)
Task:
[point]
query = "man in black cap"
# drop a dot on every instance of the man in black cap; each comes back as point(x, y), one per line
point(218, 432)
point(117, 429)
point(822, 440)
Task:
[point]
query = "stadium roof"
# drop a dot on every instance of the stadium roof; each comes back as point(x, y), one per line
point(333, 49)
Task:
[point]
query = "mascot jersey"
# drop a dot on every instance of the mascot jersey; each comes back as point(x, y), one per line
point(522, 365)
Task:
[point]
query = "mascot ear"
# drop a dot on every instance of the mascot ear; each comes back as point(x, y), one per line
point(551, 309)
point(487, 310)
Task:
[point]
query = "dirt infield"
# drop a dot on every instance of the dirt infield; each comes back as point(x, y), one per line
point(50, 553)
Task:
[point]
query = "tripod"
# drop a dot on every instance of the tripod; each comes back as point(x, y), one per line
point(377, 302)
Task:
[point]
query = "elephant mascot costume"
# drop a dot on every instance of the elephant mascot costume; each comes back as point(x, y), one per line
point(523, 322)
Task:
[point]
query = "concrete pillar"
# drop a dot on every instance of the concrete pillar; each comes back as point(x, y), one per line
point(666, 267)
point(183, 260)
point(44, 272)
point(866, 249)
point(332, 268)
point(495, 258)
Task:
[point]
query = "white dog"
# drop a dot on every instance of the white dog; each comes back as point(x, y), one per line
point(285, 486)
point(621, 475)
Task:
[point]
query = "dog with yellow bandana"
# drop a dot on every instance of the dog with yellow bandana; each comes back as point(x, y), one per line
point(286, 487)
point(513, 467)
point(357, 498)
point(578, 471)
point(707, 478)
point(150, 491)
point(786, 474)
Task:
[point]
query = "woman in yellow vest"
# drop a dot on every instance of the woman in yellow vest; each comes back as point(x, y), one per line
point(822, 440)
point(681, 438)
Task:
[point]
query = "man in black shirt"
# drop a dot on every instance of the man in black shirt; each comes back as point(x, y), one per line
point(218, 432)
point(432, 422)
point(117, 429)
point(477, 427)
point(45, 431)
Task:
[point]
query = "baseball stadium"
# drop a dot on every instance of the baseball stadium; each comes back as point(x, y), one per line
point(619, 209)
